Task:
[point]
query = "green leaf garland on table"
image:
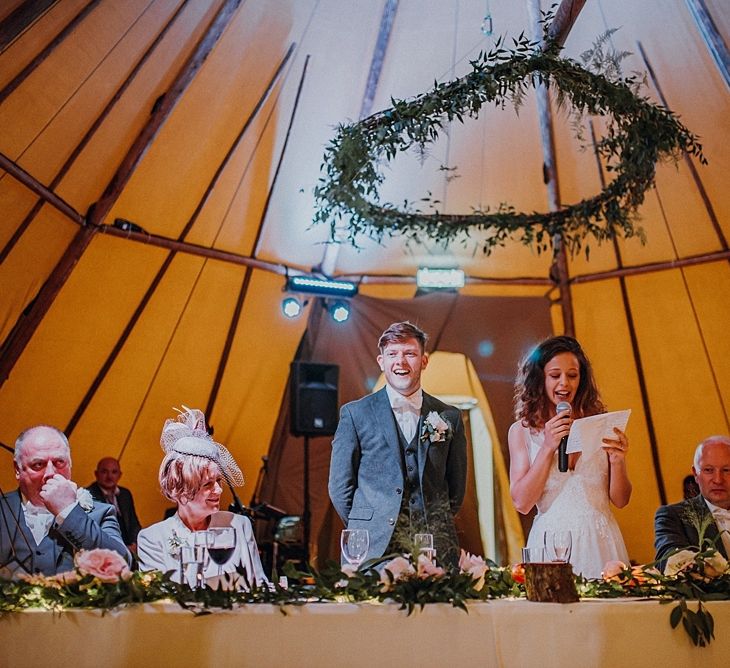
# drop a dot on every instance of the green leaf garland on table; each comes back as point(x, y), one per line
point(639, 135)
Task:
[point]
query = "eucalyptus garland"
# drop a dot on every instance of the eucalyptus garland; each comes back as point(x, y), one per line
point(639, 135)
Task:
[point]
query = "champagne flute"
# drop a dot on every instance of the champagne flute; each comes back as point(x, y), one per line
point(562, 545)
point(355, 544)
point(221, 545)
point(423, 542)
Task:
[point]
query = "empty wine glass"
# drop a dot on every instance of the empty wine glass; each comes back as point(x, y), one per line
point(423, 543)
point(221, 545)
point(355, 544)
point(201, 542)
point(192, 559)
point(562, 545)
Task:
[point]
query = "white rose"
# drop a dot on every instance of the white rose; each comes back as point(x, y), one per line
point(682, 561)
point(715, 565)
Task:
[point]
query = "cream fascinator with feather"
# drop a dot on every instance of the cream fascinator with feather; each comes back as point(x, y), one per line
point(188, 435)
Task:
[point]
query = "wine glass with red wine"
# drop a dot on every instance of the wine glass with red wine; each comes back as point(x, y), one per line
point(222, 545)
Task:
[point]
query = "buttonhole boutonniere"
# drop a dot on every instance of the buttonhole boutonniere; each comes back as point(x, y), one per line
point(175, 543)
point(84, 499)
point(435, 428)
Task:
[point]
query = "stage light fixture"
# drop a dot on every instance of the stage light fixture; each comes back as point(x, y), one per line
point(291, 307)
point(439, 279)
point(321, 286)
point(340, 311)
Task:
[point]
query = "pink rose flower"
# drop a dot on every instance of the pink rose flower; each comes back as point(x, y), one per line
point(612, 571)
point(106, 565)
point(426, 567)
point(475, 566)
point(399, 568)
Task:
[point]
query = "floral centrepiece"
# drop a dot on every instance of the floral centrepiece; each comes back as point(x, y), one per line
point(102, 581)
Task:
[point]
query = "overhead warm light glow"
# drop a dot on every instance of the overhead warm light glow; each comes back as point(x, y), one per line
point(439, 279)
point(340, 311)
point(291, 307)
point(321, 286)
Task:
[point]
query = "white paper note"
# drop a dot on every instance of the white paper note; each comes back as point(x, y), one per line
point(587, 434)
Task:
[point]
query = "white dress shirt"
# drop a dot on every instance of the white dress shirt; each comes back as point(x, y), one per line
point(407, 410)
point(40, 520)
point(722, 519)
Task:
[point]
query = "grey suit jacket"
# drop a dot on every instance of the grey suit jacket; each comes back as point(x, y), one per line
point(366, 478)
point(81, 530)
point(673, 527)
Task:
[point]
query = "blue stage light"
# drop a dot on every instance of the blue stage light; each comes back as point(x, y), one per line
point(291, 307)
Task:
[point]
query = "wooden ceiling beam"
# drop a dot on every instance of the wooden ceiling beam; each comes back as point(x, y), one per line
point(47, 51)
point(163, 107)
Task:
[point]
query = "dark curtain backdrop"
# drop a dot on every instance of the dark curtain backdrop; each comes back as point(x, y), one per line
point(494, 332)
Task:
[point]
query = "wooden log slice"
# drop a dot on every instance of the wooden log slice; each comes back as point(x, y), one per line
point(550, 583)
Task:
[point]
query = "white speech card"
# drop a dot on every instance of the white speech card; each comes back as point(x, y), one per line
point(587, 434)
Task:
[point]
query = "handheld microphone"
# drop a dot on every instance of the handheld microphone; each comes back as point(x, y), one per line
point(562, 407)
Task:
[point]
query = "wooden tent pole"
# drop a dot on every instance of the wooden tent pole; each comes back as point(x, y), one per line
point(693, 260)
point(332, 250)
point(161, 111)
point(44, 53)
point(28, 322)
point(711, 36)
point(21, 18)
point(176, 246)
point(89, 134)
point(46, 195)
point(635, 350)
point(233, 326)
point(687, 160)
point(565, 17)
point(26, 325)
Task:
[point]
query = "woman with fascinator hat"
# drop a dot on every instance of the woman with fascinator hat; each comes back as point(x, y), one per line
point(191, 475)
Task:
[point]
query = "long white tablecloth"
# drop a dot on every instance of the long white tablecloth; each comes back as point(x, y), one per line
point(497, 633)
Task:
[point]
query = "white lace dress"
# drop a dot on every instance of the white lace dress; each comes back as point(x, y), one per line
point(577, 501)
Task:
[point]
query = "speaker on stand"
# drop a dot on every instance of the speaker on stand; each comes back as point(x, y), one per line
point(314, 412)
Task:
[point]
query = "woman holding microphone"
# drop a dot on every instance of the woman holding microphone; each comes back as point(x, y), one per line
point(576, 500)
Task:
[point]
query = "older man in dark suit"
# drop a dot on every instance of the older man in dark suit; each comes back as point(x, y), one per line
point(399, 461)
point(676, 525)
point(48, 518)
point(107, 490)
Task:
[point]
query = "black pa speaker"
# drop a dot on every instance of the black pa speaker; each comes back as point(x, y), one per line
point(313, 394)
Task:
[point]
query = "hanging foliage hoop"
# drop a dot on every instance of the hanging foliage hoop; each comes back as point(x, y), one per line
point(639, 135)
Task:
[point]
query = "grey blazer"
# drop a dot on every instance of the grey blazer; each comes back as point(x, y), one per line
point(674, 529)
point(81, 530)
point(366, 477)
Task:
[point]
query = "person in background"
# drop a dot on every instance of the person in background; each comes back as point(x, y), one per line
point(578, 500)
point(49, 518)
point(107, 490)
point(676, 525)
point(398, 463)
point(191, 476)
point(690, 487)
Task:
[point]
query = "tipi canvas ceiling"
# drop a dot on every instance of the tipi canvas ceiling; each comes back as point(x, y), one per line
point(203, 123)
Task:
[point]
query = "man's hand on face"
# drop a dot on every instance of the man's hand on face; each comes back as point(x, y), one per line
point(58, 492)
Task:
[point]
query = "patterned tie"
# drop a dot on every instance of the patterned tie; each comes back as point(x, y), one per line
point(407, 411)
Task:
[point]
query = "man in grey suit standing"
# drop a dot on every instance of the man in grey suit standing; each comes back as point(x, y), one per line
point(48, 518)
point(399, 461)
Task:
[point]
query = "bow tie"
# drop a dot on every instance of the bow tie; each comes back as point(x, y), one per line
point(721, 514)
point(411, 404)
